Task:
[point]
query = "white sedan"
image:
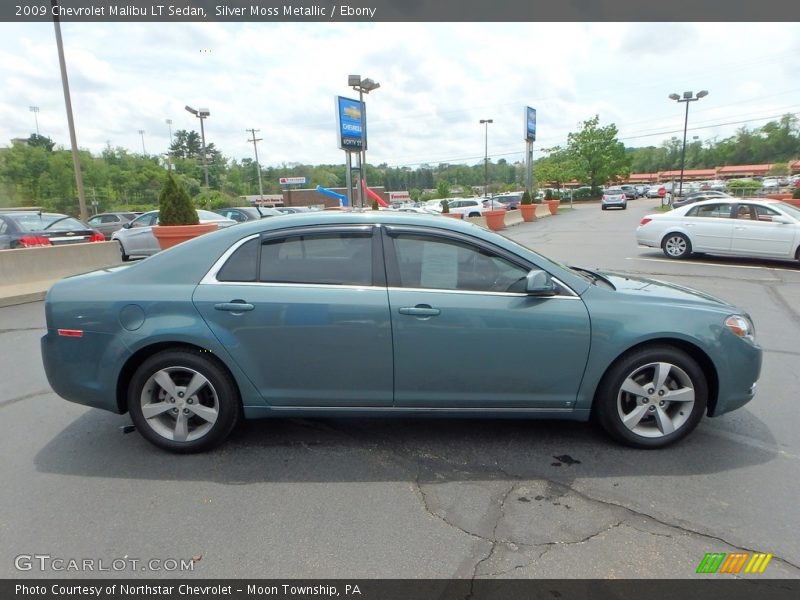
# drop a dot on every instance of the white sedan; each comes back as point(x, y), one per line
point(732, 227)
point(136, 237)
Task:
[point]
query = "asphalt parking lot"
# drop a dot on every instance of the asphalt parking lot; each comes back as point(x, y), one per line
point(325, 498)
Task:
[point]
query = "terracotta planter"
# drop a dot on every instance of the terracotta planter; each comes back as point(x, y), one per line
point(793, 202)
point(528, 212)
point(783, 197)
point(453, 215)
point(172, 235)
point(495, 219)
point(553, 205)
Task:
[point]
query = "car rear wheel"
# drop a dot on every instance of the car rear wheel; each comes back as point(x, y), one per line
point(651, 398)
point(676, 245)
point(183, 402)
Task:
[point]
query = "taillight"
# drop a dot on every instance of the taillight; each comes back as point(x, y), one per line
point(70, 332)
point(97, 237)
point(645, 221)
point(32, 241)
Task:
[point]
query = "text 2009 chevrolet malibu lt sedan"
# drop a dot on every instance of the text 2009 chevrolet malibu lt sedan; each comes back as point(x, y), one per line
point(377, 314)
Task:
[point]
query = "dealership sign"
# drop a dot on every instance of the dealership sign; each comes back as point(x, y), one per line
point(530, 124)
point(349, 119)
point(292, 180)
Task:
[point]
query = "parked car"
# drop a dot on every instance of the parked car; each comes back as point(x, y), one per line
point(698, 197)
point(770, 183)
point(108, 223)
point(136, 237)
point(268, 318)
point(733, 227)
point(248, 213)
point(630, 191)
point(510, 200)
point(614, 197)
point(292, 210)
point(28, 229)
point(469, 207)
point(654, 191)
point(641, 190)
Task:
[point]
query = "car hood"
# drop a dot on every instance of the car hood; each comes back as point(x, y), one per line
point(643, 287)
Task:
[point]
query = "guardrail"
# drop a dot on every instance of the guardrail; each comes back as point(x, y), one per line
point(27, 273)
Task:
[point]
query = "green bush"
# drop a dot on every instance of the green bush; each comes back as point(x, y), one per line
point(375, 205)
point(445, 207)
point(526, 198)
point(175, 205)
point(548, 194)
point(796, 194)
point(213, 199)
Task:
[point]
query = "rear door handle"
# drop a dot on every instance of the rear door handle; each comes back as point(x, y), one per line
point(420, 310)
point(237, 306)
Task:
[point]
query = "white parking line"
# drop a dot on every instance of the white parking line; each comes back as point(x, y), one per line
point(667, 260)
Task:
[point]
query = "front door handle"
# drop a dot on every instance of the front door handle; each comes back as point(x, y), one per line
point(420, 310)
point(237, 306)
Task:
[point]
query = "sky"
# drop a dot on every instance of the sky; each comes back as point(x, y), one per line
point(437, 81)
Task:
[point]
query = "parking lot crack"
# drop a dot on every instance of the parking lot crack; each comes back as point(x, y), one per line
point(4, 403)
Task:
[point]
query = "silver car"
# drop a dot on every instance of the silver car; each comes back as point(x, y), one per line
point(136, 237)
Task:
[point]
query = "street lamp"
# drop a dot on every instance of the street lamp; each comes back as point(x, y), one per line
point(687, 97)
point(141, 133)
point(201, 114)
point(169, 150)
point(362, 86)
point(485, 123)
point(35, 111)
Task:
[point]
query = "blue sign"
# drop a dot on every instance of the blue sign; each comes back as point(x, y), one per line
point(350, 114)
point(530, 124)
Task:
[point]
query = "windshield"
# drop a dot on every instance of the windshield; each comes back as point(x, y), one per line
point(790, 209)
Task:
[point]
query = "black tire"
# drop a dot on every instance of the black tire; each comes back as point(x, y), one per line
point(602, 207)
point(216, 395)
point(624, 206)
point(676, 245)
point(654, 420)
point(474, 215)
point(125, 257)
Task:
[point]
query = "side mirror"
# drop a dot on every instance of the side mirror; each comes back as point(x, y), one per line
point(127, 225)
point(539, 283)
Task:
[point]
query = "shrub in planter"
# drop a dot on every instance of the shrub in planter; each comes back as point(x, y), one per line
point(445, 207)
point(175, 206)
point(548, 194)
point(796, 194)
point(527, 208)
point(526, 198)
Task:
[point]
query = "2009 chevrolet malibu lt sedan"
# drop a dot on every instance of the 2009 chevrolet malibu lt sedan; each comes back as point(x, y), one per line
point(376, 314)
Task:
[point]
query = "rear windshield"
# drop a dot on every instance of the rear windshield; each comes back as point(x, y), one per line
point(49, 222)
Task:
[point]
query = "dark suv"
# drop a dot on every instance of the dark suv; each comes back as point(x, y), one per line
point(630, 192)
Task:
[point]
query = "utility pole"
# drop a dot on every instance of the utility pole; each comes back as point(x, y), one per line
point(255, 141)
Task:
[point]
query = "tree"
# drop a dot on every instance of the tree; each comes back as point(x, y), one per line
point(175, 205)
point(557, 168)
point(596, 153)
point(40, 141)
point(443, 189)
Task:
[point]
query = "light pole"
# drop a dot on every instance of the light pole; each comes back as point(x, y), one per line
point(255, 141)
point(687, 98)
point(201, 114)
point(363, 86)
point(485, 123)
point(35, 111)
point(76, 159)
point(169, 149)
point(141, 133)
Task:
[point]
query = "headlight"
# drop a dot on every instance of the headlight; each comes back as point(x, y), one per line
point(740, 326)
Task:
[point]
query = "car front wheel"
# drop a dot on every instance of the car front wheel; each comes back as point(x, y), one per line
point(125, 257)
point(183, 402)
point(651, 398)
point(676, 245)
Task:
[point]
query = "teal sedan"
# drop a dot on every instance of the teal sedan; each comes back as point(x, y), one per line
point(382, 314)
